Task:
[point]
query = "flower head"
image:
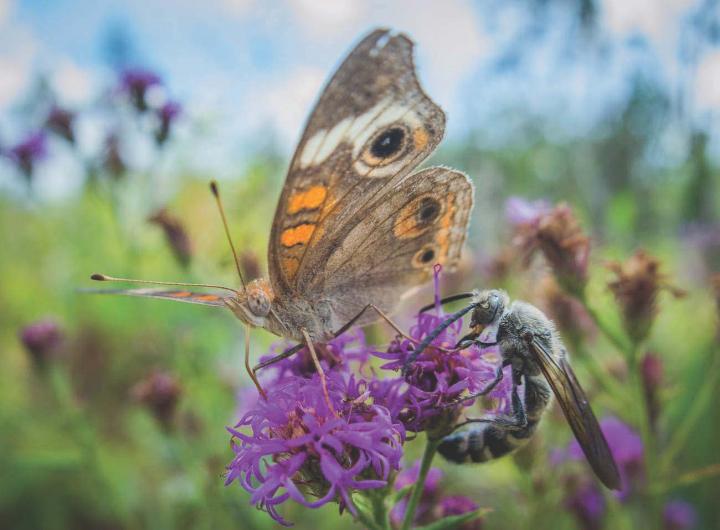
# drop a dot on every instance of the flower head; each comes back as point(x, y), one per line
point(587, 504)
point(135, 82)
point(520, 211)
point(636, 286)
point(160, 392)
point(557, 235)
point(679, 515)
point(175, 235)
point(41, 339)
point(167, 114)
point(27, 153)
point(292, 446)
point(429, 399)
point(458, 505)
point(60, 121)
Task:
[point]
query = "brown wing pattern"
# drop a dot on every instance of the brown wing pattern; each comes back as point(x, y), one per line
point(575, 406)
point(372, 125)
point(420, 222)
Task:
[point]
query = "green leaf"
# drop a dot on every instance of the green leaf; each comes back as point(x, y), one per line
point(454, 521)
point(400, 494)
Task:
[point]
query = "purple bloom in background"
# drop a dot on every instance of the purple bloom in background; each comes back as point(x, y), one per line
point(41, 339)
point(135, 82)
point(428, 499)
point(522, 211)
point(167, 114)
point(26, 154)
point(627, 448)
point(587, 505)
point(292, 446)
point(60, 121)
point(679, 515)
point(458, 505)
point(160, 392)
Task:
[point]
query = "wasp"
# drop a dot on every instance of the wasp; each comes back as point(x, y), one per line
point(530, 344)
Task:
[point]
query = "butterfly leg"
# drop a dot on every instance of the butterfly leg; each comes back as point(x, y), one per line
point(319, 368)
point(284, 355)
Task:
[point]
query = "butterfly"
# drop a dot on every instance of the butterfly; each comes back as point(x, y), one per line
point(355, 229)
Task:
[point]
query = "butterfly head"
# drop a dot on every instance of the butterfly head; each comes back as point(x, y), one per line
point(489, 306)
point(253, 305)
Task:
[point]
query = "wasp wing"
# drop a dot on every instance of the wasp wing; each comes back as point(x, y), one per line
point(575, 406)
point(177, 296)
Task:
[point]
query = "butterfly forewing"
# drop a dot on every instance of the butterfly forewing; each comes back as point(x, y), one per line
point(579, 415)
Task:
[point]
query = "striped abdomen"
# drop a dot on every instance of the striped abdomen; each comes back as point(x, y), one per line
point(487, 441)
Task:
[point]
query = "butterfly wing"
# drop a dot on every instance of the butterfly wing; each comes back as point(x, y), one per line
point(177, 296)
point(392, 249)
point(576, 407)
point(372, 125)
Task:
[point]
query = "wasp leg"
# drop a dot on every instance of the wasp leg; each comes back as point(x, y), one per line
point(284, 355)
point(498, 377)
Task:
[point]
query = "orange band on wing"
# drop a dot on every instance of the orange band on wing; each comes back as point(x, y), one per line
point(207, 298)
point(181, 294)
point(420, 138)
point(297, 235)
point(309, 199)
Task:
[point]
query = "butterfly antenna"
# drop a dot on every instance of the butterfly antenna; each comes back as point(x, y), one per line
point(216, 194)
point(105, 278)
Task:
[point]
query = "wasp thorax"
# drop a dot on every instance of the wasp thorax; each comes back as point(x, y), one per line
point(488, 306)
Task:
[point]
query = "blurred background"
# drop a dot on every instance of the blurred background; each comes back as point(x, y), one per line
point(115, 115)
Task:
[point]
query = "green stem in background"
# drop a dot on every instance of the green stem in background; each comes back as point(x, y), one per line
point(611, 334)
point(368, 521)
point(380, 511)
point(417, 490)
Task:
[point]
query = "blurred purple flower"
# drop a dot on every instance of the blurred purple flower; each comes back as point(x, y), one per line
point(679, 515)
point(587, 505)
point(60, 121)
point(160, 392)
point(458, 505)
point(113, 159)
point(41, 339)
point(134, 82)
point(298, 448)
point(26, 154)
point(167, 114)
point(522, 211)
point(428, 499)
point(627, 449)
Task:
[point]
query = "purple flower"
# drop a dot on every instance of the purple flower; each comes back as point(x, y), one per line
point(160, 392)
point(679, 515)
point(438, 377)
point(292, 446)
point(41, 339)
point(627, 449)
point(458, 505)
point(60, 121)
point(26, 154)
point(587, 505)
point(166, 114)
point(135, 82)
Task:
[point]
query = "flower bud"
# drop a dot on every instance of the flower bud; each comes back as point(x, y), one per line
point(167, 114)
point(175, 235)
point(160, 393)
point(42, 340)
point(135, 83)
point(651, 369)
point(637, 284)
point(27, 153)
point(679, 515)
point(60, 121)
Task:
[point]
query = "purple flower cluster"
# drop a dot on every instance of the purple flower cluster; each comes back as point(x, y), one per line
point(295, 445)
point(429, 398)
point(28, 152)
point(298, 448)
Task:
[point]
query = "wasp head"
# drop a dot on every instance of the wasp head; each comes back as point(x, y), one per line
point(489, 306)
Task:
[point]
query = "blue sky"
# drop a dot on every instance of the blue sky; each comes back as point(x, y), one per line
point(242, 67)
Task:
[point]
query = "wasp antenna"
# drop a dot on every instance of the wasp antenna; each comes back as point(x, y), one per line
point(448, 299)
point(105, 278)
point(216, 193)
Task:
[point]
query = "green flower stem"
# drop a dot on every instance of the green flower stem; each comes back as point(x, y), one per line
point(380, 511)
point(368, 521)
point(417, 490)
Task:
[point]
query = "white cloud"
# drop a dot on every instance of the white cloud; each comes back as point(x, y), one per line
point(18, 49)
point(322, 19)
point(5, 9)
point(707, 85)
